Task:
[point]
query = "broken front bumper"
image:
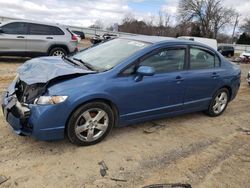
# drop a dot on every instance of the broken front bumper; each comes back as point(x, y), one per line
point(34, 120)
point(16, 114)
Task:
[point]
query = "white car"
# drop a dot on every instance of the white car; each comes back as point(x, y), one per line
point(207, 41)
point(245, 54)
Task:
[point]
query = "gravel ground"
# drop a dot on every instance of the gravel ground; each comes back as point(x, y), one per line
point(193, 148)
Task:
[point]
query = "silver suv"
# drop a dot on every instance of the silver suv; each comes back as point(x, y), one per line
point(26, 38)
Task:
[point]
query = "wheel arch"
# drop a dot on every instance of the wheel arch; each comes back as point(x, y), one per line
point(110, 103)
point(58, 46)
point(229, 90)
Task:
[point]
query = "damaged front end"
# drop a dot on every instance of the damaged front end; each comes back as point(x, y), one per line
point(27, 105)
point(15, 104)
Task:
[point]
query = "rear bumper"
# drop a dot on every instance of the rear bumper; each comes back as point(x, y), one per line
point(235, 88)
point(31, 120)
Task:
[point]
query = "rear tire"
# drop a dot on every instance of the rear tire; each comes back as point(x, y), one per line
point(57, 51)
point(218, 103)
point(90, 124)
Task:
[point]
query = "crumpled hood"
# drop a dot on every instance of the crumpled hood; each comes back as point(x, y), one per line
point(41, 70)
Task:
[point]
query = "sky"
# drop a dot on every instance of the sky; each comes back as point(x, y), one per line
point(84, 13)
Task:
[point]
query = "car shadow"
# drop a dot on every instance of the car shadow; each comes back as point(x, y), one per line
point(7, 59)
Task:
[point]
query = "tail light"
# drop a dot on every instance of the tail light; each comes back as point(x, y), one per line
point(74, 38)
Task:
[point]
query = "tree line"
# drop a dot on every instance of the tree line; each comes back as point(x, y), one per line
point(200, 18)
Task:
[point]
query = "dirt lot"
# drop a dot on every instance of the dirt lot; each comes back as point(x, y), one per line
point(195, 149)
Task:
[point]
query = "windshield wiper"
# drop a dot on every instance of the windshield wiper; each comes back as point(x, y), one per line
point(68, 59)
point(88, 65)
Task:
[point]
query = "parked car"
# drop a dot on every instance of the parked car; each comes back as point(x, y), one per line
point(227, 51)
point(120, 82)
point(26, 38)
point(105, 37)
point(80, 34)
point(245, 54)
point(207, 41)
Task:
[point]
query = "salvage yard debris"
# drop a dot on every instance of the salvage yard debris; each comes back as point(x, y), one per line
point(118, 179)
point(155, 127)
point(244, 130)
point(3, 179)
point(104, 168)
point(169, 185)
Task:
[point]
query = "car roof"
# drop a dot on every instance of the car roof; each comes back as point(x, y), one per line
point(160, 40)
point(148, 39)
point(34, 22)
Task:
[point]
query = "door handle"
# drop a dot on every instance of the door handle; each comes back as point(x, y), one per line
point(215, 75)
point(20, 37)
point(49, 37)
point(179, 79)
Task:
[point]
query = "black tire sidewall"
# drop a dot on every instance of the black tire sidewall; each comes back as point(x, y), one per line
point(70, 129)
point(56, 49)
point(210, 110)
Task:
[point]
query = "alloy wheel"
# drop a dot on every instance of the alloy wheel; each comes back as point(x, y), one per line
point(91, 124)
point(58, 53)
point(220, 102)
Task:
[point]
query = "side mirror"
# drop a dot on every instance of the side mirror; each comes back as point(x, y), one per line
point(144, 71)
point(1, 30)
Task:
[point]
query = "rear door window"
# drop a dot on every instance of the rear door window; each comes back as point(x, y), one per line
point(39, 29)
point(16, 28)
point(203, 59)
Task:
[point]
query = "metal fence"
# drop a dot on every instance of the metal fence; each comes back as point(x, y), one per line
point(90, 32)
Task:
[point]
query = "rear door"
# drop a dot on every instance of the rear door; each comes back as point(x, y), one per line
point(13, 38)
point(41, 37)
point(203, 77)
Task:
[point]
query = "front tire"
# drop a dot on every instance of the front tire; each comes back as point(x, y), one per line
point(219, 103)
point(90, 124)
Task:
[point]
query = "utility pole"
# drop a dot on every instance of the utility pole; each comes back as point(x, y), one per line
point(235, 25)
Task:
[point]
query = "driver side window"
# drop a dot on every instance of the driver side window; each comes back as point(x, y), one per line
point(16, 28)
point(167, 60)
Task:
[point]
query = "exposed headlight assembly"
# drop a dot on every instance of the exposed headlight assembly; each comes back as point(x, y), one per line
point(50, 99)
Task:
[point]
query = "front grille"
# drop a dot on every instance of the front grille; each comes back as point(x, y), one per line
point(20, 91)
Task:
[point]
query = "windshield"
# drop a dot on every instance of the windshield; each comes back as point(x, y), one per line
point(107, 55)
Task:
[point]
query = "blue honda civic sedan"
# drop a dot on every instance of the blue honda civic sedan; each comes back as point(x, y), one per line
point(120, 82)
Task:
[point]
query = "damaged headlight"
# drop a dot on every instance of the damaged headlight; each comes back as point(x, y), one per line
point(50, 99)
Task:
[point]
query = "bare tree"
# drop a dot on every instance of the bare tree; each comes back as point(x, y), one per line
point(221, 18)
point(209, 14)
point(128, 18)
point(98, 24)
point(160, 14)
point(167, 20)
point(246, 26)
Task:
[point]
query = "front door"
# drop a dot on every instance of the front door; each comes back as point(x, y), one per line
point(154, 95)
point(13, 38)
